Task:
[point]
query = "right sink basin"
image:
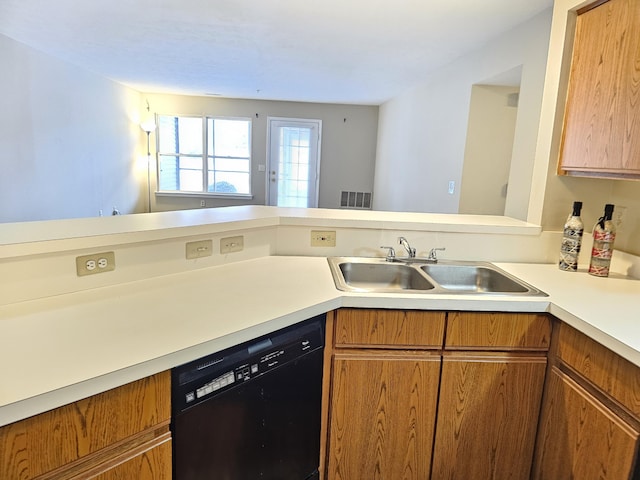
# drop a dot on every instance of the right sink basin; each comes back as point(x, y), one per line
point(473, 278)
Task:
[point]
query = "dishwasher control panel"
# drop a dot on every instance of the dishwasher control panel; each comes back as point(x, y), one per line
point(197, 381)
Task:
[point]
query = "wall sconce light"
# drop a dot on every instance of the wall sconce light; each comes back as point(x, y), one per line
point(148, 125)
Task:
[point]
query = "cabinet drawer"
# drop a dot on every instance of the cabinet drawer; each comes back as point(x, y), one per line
point(498, 331)
point(389, 329)
point(612, 374)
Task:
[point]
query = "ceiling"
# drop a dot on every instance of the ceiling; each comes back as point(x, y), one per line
point(330, 51)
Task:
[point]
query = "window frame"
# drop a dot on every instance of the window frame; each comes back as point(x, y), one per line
point(204, 157)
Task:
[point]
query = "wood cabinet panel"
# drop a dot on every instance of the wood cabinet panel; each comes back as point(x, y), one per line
point(497, 331)
point(389, 328)
point(51, 440)
point(602, 120)
point(487, 416)
point(153, 464)
point(383, 409)
point(609, 372)
point(580, 438)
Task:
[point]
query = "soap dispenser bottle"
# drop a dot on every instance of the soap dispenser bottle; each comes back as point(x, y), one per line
point(571, 240)
point(604, 234)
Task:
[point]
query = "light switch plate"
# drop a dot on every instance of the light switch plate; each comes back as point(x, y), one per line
point(232, 244)
point(199, 249)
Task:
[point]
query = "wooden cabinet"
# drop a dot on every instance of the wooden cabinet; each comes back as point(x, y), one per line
point(580, 437)
point(389, 329)
point(400, 379)
point(589, 426)
point(121, 433)
point(491, 387)
point(601, 134)
point(384, 390)
point(383, 413)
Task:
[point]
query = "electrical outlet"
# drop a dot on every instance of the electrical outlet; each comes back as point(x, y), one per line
point(619, 215)
point(232, 244)
point(199, 249)
point(323, 238)
point(95, 263)
point(203, 203)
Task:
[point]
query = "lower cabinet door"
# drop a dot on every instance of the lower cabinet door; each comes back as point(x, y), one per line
point(382, 414)
point(487, 416)
point(580, 438)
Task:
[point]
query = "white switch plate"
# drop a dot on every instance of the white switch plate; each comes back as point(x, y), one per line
point(323, 238)
point(232, 244)
point(452, 187)
point(199, 249)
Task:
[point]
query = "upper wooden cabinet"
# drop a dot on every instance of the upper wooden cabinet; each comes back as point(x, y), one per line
point(601, 135)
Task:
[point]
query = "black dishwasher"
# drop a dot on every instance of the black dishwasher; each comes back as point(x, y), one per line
point(252, 411)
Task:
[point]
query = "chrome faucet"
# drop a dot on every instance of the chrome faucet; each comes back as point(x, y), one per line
point(411, 252)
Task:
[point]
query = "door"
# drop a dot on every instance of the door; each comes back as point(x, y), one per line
point(294, 162)
point(487, 416)
point(383, 408)
point(580, 438)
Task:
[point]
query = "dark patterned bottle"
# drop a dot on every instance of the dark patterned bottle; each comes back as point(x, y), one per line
point(571, 240)
point(604, 234)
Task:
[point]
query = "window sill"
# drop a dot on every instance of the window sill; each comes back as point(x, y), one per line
point(230, 196)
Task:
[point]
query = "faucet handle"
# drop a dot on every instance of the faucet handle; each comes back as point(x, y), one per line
point(391, 254)
point(433, 255)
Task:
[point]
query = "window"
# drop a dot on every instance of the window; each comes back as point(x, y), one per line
point(204, 155)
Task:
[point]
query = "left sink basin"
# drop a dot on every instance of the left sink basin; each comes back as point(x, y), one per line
point(374, 275)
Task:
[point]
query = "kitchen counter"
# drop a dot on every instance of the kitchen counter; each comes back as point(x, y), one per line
point(59, 349)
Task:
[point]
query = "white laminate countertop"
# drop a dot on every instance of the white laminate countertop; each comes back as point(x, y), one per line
point(60, 349)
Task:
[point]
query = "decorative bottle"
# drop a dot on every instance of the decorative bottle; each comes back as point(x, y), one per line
point(604, 234)
point(571, 240)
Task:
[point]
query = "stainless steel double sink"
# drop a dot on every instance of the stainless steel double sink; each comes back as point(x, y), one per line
point(377, 275)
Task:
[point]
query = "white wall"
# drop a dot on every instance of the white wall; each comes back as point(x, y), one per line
point(492, 123)
point(422, 132)
point(349, 135)
point(68, 139)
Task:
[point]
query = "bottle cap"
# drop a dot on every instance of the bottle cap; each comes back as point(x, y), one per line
point(577, 207)
point(608, 211)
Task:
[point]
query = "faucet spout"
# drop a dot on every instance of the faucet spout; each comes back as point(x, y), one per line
point(411, 252)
